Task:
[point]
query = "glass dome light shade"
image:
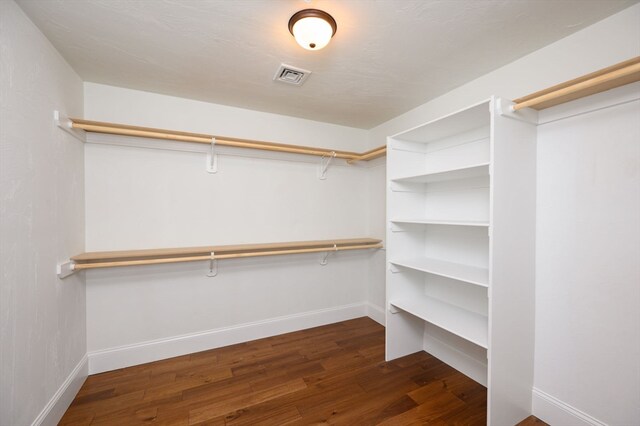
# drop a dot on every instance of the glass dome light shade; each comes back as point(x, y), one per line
point(312, 28)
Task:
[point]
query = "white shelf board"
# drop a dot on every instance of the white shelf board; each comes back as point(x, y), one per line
point(442, 222)
point(457, 271)
point(466, 324)
point(465, 172)
point(473, 117)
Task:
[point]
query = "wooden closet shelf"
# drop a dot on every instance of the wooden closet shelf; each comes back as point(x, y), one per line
point(108, 259)
point(148, 132)
point(605, 79)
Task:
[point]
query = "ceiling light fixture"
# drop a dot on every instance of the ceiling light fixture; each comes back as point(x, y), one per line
point(312, 28)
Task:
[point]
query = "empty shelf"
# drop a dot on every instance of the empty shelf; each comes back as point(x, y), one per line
point(457, 271)
point(466, 324)
point(477, 116)
point(465, 172)
point(442, 222)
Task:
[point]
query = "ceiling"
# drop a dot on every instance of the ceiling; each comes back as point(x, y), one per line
point(387, 56)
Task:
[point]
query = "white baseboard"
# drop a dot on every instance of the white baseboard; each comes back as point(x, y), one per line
point(555, 412)
point(60, 401)
point(140, 353)
point(376, 313)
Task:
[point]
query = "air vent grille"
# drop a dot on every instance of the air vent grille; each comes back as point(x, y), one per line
point(291, 75)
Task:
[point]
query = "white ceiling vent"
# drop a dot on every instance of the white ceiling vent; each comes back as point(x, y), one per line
point(291, 75)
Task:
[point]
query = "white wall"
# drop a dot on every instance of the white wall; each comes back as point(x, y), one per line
point(377, 214)
point(607, 42)
point(138, 197)
point(588, 257)
point(42, 328)
point(117, 105)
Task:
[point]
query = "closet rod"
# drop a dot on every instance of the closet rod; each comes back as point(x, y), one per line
point(608, 78)
point(370, 155)
point(147, 132)
point(79, 266)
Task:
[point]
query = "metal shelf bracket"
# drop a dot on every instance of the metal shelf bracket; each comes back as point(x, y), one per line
point(213, 266)
point(325, 160)
point(212, 158)
point(393, 227)
point(323, 262)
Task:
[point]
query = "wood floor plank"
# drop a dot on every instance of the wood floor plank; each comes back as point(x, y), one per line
point(178, 386)
point(221, 407)
point(262, 414)
point(532, 421)
point(433, 408)
point(334, 374)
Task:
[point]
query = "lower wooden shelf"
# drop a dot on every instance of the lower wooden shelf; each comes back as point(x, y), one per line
point(466, 324)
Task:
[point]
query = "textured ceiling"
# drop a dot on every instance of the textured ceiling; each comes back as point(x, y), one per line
point(387, 56)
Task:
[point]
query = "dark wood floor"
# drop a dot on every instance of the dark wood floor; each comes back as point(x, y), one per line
point(333, 374)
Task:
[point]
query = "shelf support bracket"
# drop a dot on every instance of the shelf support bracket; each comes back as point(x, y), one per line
point(325, 160)
point(323, 262)
point(393, 309)
point(504, 108)
point(212, 158)
point(398, 187)
point(393, 269)
point(213, 266)
point(65, 123)
point(65, 269)
point(395, 228)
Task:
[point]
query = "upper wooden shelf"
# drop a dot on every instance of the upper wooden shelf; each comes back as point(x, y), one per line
point(101, 256)
point(107, 259)
point(148, 132)
point(605, 79)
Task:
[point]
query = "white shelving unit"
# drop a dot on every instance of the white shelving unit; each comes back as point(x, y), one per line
point(461, 250)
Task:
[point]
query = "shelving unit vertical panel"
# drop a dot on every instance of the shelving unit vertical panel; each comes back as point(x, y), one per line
point(512, 270)
point(403, 330)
